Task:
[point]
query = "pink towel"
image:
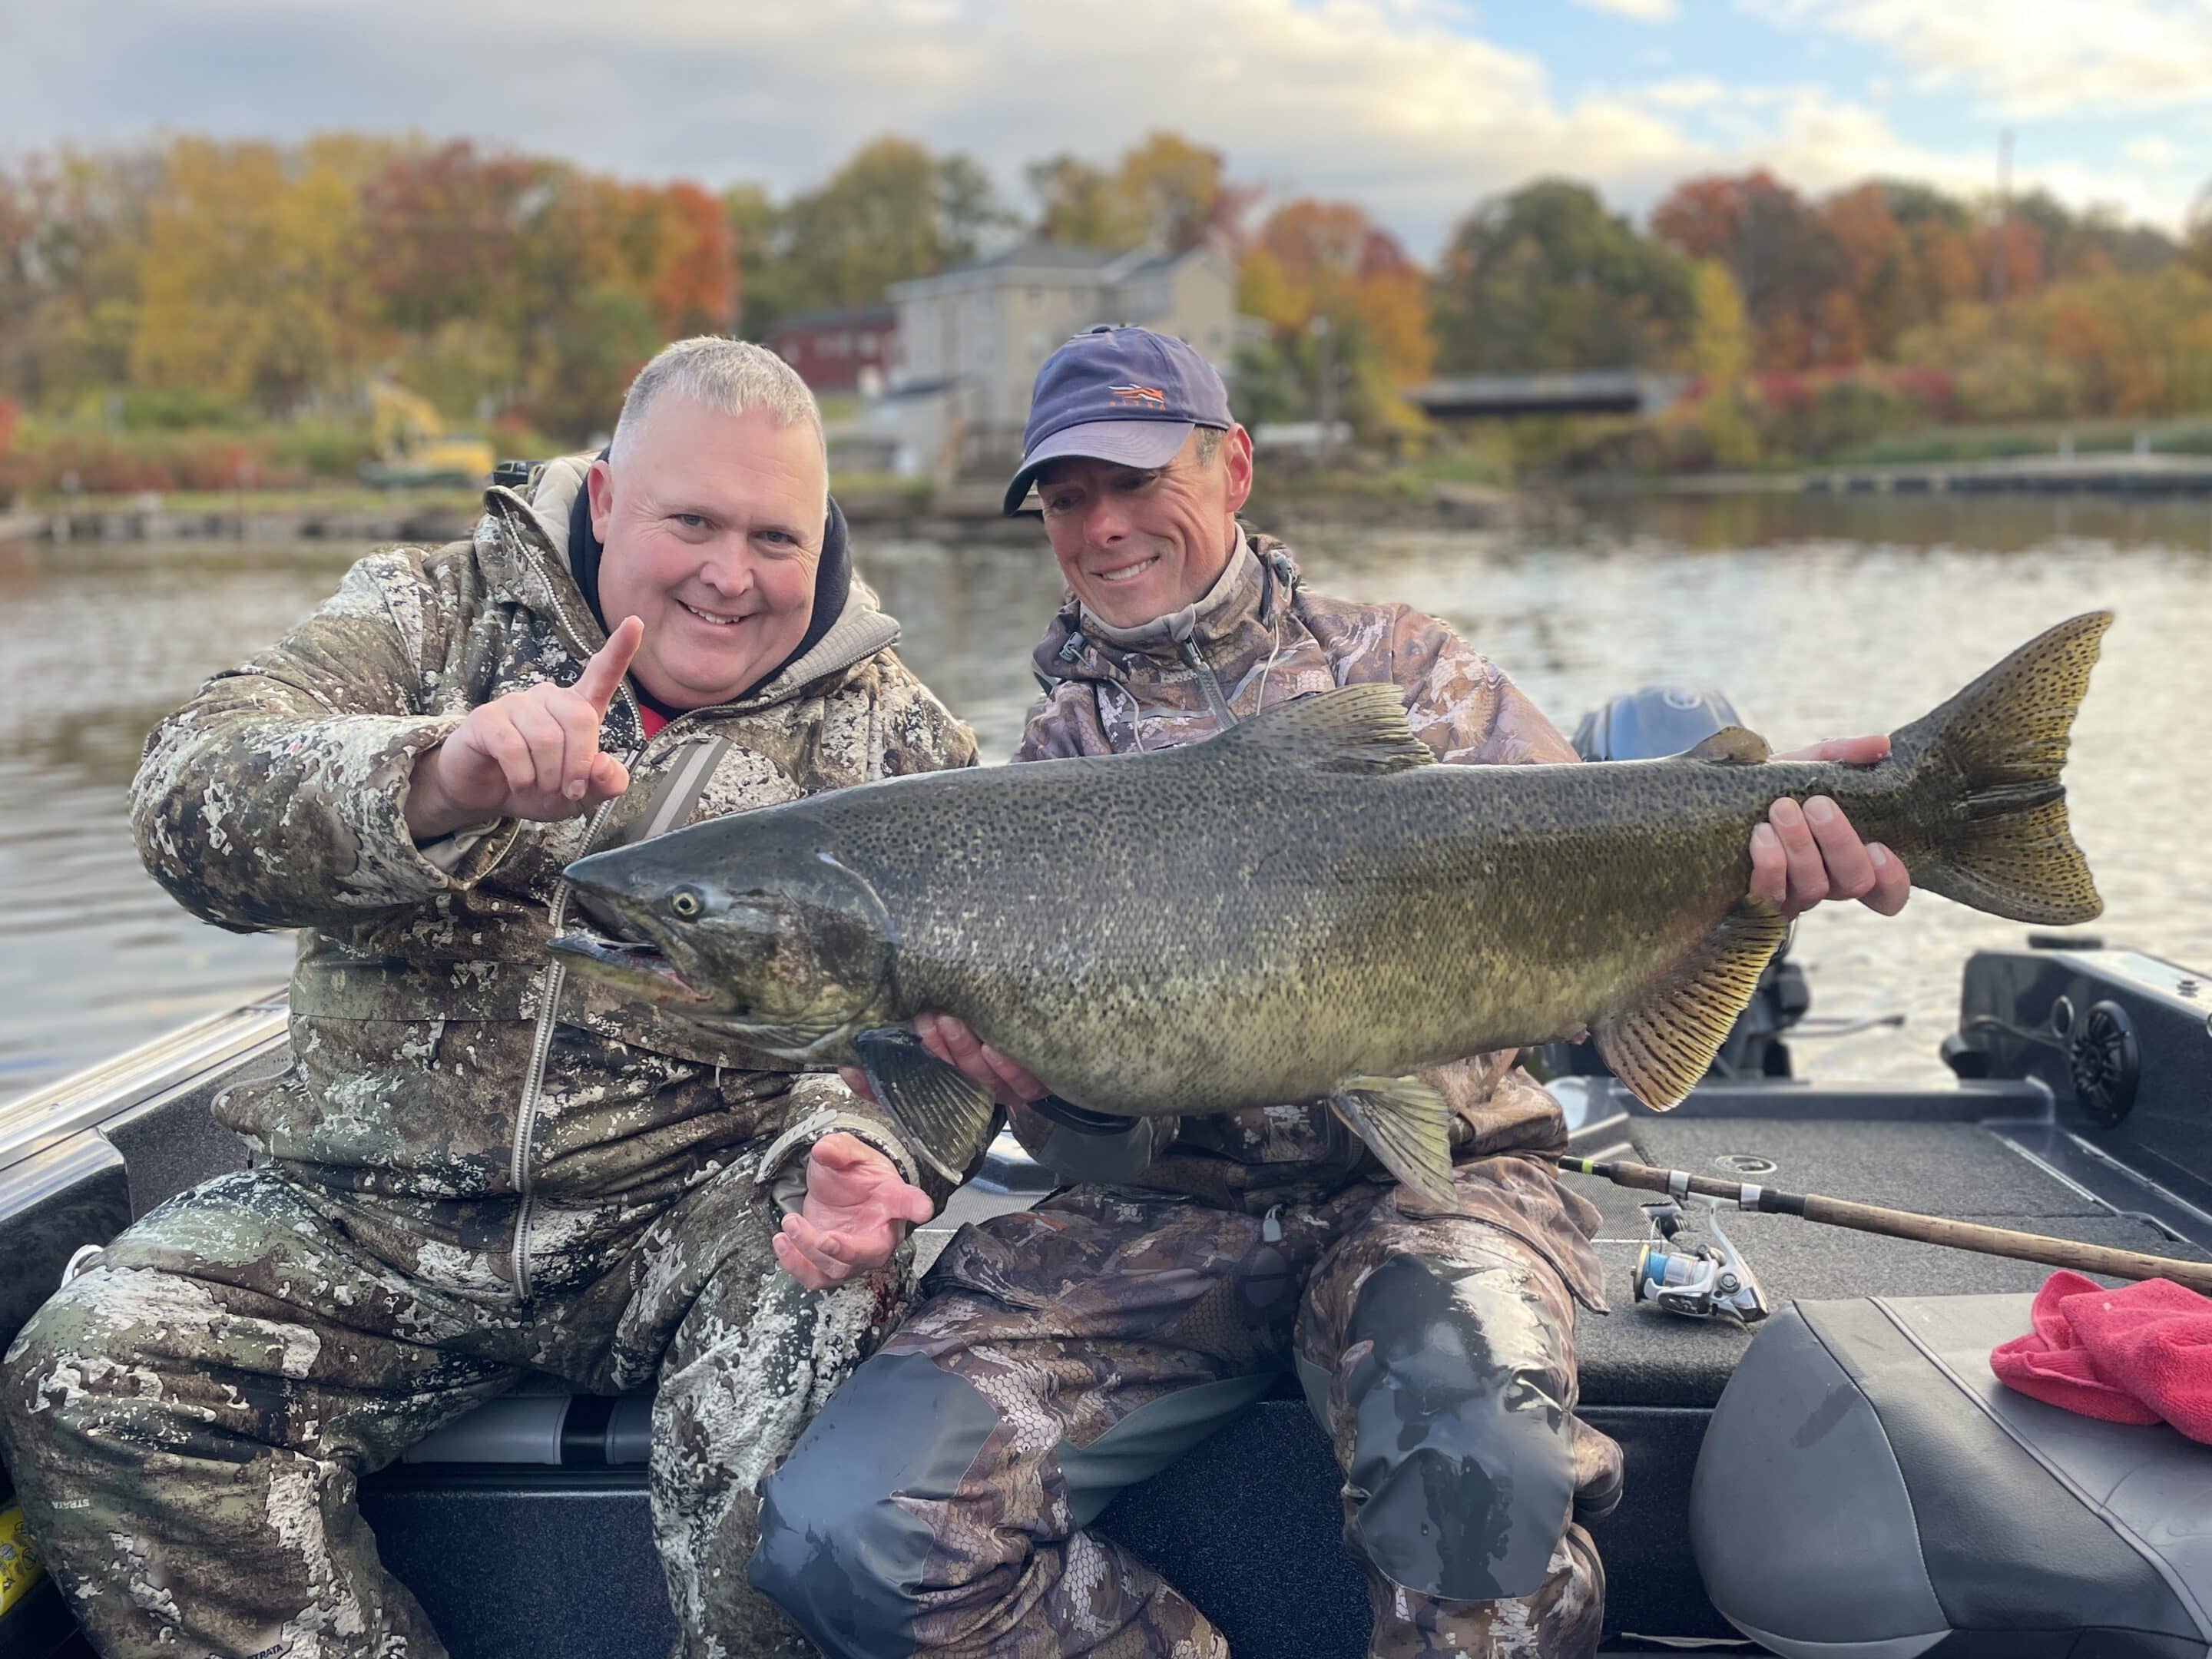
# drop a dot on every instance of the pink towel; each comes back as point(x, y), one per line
point(2139, 1354)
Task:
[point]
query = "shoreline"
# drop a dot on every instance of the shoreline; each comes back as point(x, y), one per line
point(956, 512)
point(969, 511)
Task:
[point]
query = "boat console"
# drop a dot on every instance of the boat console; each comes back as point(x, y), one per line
point(2082, 1107)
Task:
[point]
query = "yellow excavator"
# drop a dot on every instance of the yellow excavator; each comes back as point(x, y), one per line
point(413, 447)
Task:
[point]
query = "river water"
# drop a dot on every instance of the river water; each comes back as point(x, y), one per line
point(1817, 616)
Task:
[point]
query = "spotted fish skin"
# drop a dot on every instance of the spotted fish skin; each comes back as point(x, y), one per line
point(1304, 899)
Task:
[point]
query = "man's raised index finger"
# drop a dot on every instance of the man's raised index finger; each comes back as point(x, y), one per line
point(597, 683)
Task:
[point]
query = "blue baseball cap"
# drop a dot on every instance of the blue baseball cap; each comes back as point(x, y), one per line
point(1117, 394)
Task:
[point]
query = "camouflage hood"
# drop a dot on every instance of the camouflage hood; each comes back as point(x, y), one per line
point(436, 1051)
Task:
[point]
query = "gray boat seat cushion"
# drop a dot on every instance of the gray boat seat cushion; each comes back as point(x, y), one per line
point(1868, 1488)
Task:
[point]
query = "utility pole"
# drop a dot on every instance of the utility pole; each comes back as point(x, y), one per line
point(1325, 397)
point(1998, 240)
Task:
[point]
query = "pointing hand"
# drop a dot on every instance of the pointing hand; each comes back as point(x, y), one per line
point(531, 754)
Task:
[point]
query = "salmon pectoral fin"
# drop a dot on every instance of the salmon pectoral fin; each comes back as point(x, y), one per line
point(1407, 1125)
point(1661, 1042)
point(948, 1116)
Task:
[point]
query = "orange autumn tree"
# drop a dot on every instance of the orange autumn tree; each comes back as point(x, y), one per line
point(1314, 260)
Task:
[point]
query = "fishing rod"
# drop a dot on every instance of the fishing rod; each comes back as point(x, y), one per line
point(1679, 1184)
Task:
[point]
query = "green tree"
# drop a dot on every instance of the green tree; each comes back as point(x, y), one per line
point(1177, 193)
point(1081, 203)
point(891, 212)
point(764, 275)
point(1546, 278)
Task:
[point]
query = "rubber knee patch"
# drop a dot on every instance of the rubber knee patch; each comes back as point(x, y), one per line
point(1462, 1445)
point(837, 1550)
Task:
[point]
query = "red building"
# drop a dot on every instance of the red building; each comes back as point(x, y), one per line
point(832, 350)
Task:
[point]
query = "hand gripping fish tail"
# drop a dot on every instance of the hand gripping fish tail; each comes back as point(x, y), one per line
point(1307, 909)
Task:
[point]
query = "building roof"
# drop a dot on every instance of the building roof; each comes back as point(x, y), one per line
point(1048, 260)
point(874, 316)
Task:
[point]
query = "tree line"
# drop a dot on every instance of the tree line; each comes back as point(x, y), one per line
point(195, 282)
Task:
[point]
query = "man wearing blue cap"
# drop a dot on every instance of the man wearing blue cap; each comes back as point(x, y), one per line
point(940, 1503)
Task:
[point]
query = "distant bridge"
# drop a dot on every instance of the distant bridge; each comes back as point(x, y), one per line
point(1572, 391)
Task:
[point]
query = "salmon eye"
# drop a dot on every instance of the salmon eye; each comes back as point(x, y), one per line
point(685, 902)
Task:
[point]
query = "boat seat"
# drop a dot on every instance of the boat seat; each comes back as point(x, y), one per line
point(1869, 1488)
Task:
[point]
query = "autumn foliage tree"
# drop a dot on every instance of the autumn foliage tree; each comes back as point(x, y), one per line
point(1166, 192)
point(250, 286)
point(1314, 260)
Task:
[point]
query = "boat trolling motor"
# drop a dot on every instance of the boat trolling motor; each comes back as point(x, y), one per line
point(1700, 1281)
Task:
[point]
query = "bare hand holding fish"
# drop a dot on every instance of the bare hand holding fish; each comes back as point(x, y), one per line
point(1307, 907)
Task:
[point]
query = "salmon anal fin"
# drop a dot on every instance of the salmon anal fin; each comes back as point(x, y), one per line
point(1354, 728)
point(948, 1116)
point(1732, 745)
point(1407, 1125)
point(1661, 1041)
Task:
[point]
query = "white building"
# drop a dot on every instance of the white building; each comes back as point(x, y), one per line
point(982, 332)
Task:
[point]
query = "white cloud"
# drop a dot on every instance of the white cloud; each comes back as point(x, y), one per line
point(1643, 11)
point(1398, 104)
point(1686, 92)
point(2034, 58)
point(2152, 151)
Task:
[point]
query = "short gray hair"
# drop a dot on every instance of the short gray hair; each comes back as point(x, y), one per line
point(1209, 444)
point(733, 376)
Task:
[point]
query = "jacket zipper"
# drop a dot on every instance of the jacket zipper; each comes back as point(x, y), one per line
point(556, 977)
point(1210, 683)
point(541, 1047)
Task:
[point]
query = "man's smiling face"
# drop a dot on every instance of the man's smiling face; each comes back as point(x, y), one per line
point(1138, 543)
point(713, 527)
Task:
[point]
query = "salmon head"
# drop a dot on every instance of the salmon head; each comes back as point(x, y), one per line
point(780, 945)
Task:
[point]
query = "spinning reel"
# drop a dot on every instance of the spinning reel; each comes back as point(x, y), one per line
point(1700, 1281)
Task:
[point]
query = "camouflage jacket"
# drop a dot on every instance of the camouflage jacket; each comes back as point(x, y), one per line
point(1258, 639)
point(491, 1117)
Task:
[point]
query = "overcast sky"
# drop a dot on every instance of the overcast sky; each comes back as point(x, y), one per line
point(1418, 108)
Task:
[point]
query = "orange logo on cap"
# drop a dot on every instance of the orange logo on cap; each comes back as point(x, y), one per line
point(1148, 396)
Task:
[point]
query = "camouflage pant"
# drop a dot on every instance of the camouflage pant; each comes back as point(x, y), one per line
point(187, 1421)
point(938, 1503)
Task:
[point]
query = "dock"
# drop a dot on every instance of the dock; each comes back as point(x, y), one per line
point(2120, 474)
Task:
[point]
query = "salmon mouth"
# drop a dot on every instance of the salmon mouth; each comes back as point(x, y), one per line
point(640, 968)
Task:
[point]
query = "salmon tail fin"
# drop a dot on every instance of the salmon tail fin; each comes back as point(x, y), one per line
point(1998, 835)
point(1661, 1041)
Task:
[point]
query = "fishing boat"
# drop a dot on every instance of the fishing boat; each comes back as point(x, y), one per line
point(1819, 1461)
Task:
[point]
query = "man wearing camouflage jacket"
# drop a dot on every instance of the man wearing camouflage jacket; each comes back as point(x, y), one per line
point(472, 1168)
point(939, 1503)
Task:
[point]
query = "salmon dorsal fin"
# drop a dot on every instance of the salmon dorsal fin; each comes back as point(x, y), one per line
point(1354, 728)
point(1732, 745)
point(1660, 1042)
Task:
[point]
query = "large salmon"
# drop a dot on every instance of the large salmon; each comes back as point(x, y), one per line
point(1306, 906)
